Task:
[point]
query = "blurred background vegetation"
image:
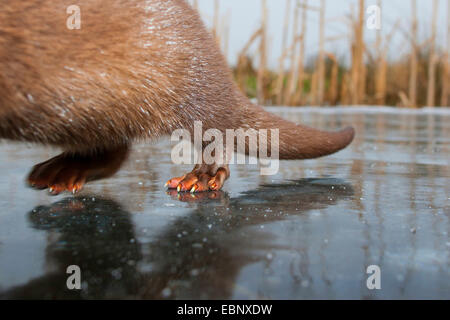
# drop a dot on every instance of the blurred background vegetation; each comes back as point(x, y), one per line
point(364, 76)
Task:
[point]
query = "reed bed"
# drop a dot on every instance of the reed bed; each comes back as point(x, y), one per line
point(420, 77)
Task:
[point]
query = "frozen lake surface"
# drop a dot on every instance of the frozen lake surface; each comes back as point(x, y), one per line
point(309, 232)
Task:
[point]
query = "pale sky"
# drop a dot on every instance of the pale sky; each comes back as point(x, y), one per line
point(244, 18)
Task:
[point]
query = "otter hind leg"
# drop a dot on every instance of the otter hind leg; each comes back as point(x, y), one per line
point(70, 171)
point(202, 178)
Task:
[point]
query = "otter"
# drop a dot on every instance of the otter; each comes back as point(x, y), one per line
point(135, 70)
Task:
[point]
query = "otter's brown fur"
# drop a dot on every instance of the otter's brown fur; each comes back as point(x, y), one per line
point(135, 70)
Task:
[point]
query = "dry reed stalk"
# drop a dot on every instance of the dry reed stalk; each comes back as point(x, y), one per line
point(414, 68)
point(344, 99)
point(362, 84)
point(225, 27)
point(404, 101)
point(333, 90)
point(381, 69)
point(313, 96)
point(432, 59)
point(380, 72)
point(287, 52)
point(446, 69)
point(260, 85)
point(358, 57)
point(243, 61)
point(281, 71)
point(321, 58)
point(298, 98)
point(380, 82)
point(290, 89)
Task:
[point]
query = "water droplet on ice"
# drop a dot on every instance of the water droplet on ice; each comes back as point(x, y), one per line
point(166, 292)
point(195, 272)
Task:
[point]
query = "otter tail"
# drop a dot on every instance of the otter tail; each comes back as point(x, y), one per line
point(298, 141)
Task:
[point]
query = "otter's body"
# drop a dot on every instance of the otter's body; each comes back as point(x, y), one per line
point(134, 70)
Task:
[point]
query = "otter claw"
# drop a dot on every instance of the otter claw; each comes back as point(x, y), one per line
point(200, 180)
